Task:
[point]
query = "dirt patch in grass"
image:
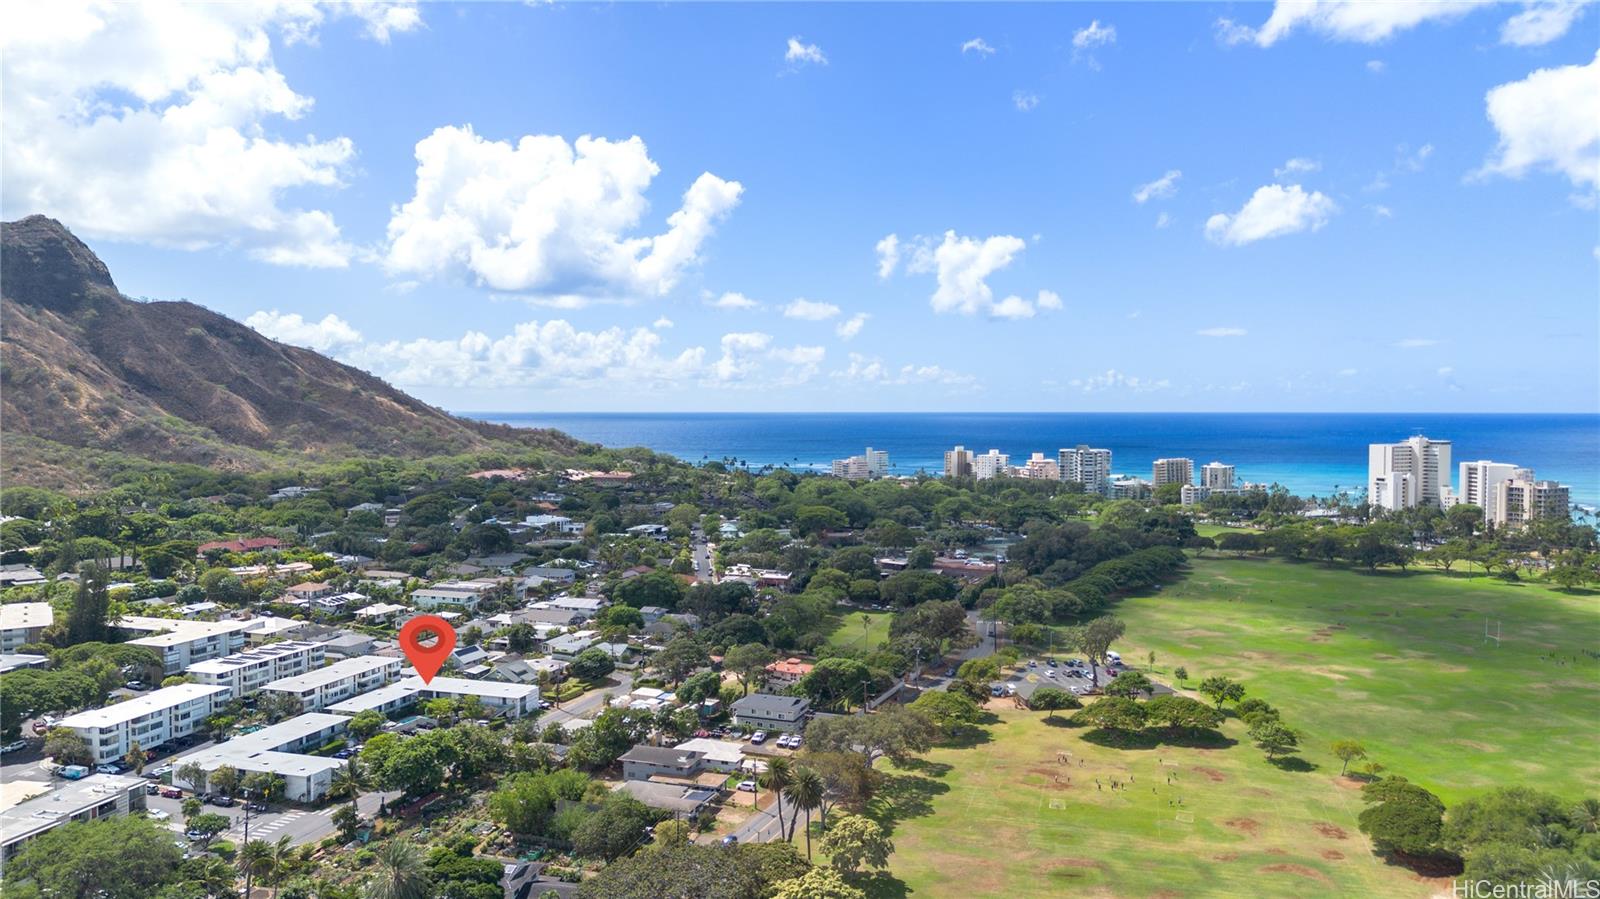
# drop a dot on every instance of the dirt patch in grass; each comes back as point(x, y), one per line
point(1076, 863)
point(1475, 746)
point(1246, 825)
point(1332, 855)
point(1211, 774)
point(1277, 852)
point(1348, 783)
point(1297, 870)
point(1226, 857)
point(1331, 831)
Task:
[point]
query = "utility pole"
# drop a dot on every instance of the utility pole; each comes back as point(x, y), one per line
point(249, 870)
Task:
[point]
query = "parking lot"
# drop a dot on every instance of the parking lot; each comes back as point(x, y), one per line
point(1063, 677)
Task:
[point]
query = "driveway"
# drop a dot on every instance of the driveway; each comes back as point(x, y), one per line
point(589, 704)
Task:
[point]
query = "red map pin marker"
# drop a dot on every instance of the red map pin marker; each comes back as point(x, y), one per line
point(427, 659)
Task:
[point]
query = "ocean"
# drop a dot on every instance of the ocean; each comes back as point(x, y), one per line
point(1312, 454)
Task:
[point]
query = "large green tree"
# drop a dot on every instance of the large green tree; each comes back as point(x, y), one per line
point(126, 857)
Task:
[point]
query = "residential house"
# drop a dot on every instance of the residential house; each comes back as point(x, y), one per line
point(768, 711)
point(787, 672)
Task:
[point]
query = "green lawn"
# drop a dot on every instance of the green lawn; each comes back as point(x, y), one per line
point(1206, 529)
point(1397, 661)
point(860, 630)
point(1000, 818)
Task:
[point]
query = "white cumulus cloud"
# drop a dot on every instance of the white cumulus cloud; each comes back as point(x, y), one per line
point(1112, 379)
point(1094, 35)
point(872, 370)
point(732, 300)
point(1361, 21)
point(1159, 189)
point(1297, 166)
point(1541, 23)
point(1222, 332)
point(1412, 343)
point(289, 327)
point(977, 45)
point(799, 53)
point(1548, 121)
point(170, 124)
point(961, 268)
point(1272, 211)
point(851, 326)
point(1024, 101)
point(810, 310)
point(546, 217)
point(888, 251)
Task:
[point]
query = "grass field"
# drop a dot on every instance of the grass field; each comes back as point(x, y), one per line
point(1396, 661)
point(1206, 529)
point(860, 630)
point(1000, 818)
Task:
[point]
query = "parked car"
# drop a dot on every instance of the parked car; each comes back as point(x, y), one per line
point(73, 772)
point(730, 840)
point(158, 771)
point(996, 690)
point(158, 815)
point(152, 789)
point(794, 741)
point(135, 685)
point(1011, 689)
point(108, 769)
point(256, 807)
point(747, 786)
point(758, 737)
point(1111, 672)
point(194, 835)
point(1032, 663)
point(220, 799)
point(1051, 663)
point(344, 753)
point(14, 746)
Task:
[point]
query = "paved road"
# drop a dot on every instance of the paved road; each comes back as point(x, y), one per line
point(301, 824)
point(702, 556)
point(762, 826)
point(589, 704)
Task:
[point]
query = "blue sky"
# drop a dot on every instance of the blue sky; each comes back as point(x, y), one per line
point(1094, 207)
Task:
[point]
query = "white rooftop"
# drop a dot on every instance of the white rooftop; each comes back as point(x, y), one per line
point(229, 664)
point(58, 806)
point(262, 750)
point(26, 615)
point(164, 698)
point(351, 667)
point(172, 631)
point(372, 699)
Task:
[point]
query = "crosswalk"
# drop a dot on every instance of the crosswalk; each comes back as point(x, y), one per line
point(265, 830)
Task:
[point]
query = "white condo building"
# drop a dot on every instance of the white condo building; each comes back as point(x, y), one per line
point(1216, 476)
point(182, 643)
point(992, 464)
point(316, 690)
point(246, 672)
point(871, 464)
point(1172, 471)
point(1413, 472)
point(23, 622)
point(958, 463)
point(277, 749)
point(90, 799)
point(1521, 500)
point(149, 720)
point(1479, 480)
point(1088, 466)
point(511, 700)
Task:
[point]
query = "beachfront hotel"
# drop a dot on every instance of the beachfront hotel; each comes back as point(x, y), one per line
point(1413, 472)
point(1171, 471)
point(1087, 465)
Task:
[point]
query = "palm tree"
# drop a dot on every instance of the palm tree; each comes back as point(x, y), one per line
point(400, 875)
point(281, 852)
point(777, 777)
point(1586, 815)
point(350, 781)
point(806, 793)
point(255, 857)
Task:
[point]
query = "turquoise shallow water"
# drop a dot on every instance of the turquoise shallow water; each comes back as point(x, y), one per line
point(1310, 453)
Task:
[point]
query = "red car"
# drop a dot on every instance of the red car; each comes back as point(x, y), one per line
point(1111, 672)
point(171, 793)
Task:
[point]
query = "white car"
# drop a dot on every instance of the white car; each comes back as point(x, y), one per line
point(759, 737)
point(158, 815)
point(17, 746)
point(747, 786)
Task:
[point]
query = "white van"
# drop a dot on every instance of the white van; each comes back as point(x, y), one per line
point(1113, 657)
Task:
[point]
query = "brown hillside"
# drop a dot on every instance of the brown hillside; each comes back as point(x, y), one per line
point(84, 366)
